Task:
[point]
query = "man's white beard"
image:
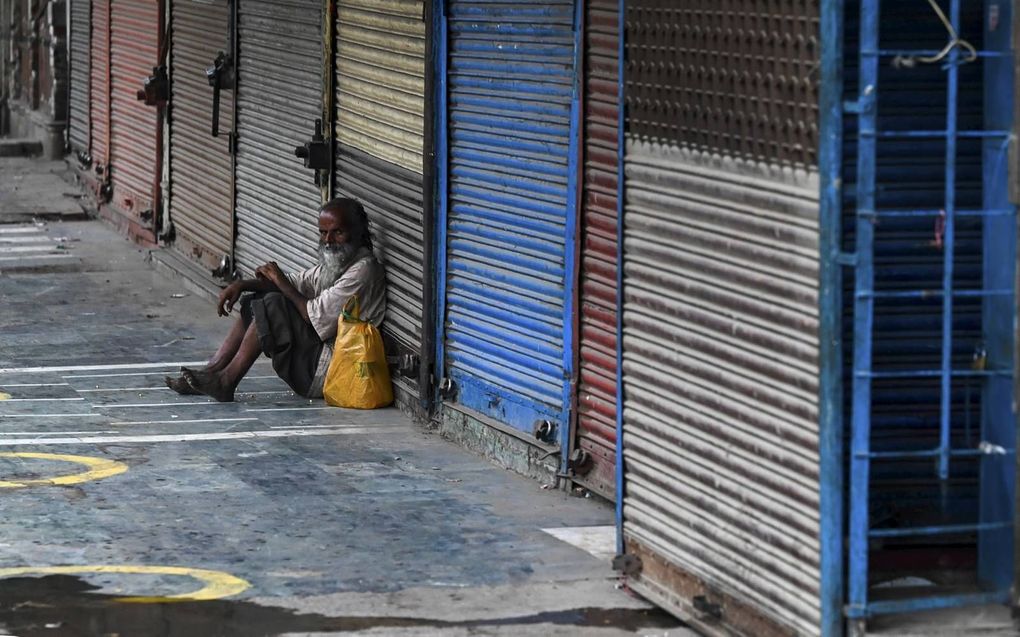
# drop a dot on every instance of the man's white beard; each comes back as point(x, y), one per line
point(334, 261)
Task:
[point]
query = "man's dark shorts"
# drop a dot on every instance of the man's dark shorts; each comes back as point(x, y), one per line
point(285, 337)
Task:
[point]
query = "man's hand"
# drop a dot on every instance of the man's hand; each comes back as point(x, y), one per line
point(272, 273)
point(228, 297)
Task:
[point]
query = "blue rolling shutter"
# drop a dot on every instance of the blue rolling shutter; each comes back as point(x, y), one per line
point(510, 202)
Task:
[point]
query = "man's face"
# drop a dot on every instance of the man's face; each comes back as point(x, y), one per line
point(332, 229)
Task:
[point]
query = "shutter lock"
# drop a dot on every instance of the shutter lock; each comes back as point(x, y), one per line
point(155, 88)
point(447, 389)
point(580, 462)
point(225, 270)
point(545, 431)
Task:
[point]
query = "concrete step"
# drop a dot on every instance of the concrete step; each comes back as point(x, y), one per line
point(13, 147)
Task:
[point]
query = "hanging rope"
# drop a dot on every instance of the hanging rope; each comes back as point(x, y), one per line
point(954, 41)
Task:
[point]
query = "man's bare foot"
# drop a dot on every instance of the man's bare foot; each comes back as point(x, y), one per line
point(180, 385)
point(209, 383)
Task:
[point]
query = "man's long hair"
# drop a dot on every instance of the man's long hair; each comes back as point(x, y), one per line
point(355, 215)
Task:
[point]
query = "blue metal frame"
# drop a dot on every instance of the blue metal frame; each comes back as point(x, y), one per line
point(864, 310)
point(621, 144)
point(995, 546)
point(995, 528)
point(570, 269)
point(442, 143)
point(830, 425)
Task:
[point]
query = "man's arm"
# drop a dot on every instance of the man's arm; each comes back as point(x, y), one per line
point(230, 294)
point(271, 274)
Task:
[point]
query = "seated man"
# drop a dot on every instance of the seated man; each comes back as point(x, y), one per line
point(293, 318)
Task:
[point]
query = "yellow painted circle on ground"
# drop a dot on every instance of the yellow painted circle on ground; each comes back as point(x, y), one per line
point(98, 468)
point(217, 583)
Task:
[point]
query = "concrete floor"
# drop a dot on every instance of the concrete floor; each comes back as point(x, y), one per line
point(272, 515)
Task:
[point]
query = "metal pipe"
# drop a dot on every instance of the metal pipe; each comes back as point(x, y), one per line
point(953, 79)
point(864, 310)
point(621, 144)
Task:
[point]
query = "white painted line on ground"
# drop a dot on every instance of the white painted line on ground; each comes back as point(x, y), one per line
point(168, 405)
point(20, 229)
point(40, 249)
point(48, 255)
point(226, 435)
point(164, 372)
point(35, 385)
point(2, 416)
point(599, 541)
point(168, 371)
point(179, 422)
point(86, 391)
point(286, 427)
point(291, 409)
point(54, 433)
point(37, 238)
point(165, 388)
point(35, 400)
point(95, 368)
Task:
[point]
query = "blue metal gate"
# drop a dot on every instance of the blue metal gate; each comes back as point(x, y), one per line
point(507, 171)
point(931, 236)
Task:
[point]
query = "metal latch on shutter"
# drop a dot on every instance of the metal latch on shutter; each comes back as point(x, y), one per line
point(220, 76)
point(316, 153)
point(155, 89)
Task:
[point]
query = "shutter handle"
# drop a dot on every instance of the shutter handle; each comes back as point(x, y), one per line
point(315, 153)
point(220, 75)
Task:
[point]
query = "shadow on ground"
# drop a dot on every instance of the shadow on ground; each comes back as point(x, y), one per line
point(67, 606)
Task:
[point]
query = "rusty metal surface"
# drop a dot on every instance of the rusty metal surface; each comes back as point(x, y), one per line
point(134, 35)
point(79, 59)
point(721, 368)
point(99, 86)
point(279, 98)
point(201, 170)
point(380, 99)
point(596, 403)
point(737, 77)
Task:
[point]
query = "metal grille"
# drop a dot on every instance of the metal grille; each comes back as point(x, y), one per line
point(380, 80)
point(80, 61)
point(509, 212)
point(279, 98)
point(596, 402)
point(737, 77)
point(931, 362)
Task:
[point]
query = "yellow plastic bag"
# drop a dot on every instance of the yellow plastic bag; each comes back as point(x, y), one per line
point(358, 376)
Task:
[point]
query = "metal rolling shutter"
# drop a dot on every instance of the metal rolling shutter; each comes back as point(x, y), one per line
point(279, 98)
point(721, 292)
point(596, 402)
point(509, 219)
point(380, 79)
point(99, 86)
point(134, 51)
point(80, 58)
point(201, 170)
